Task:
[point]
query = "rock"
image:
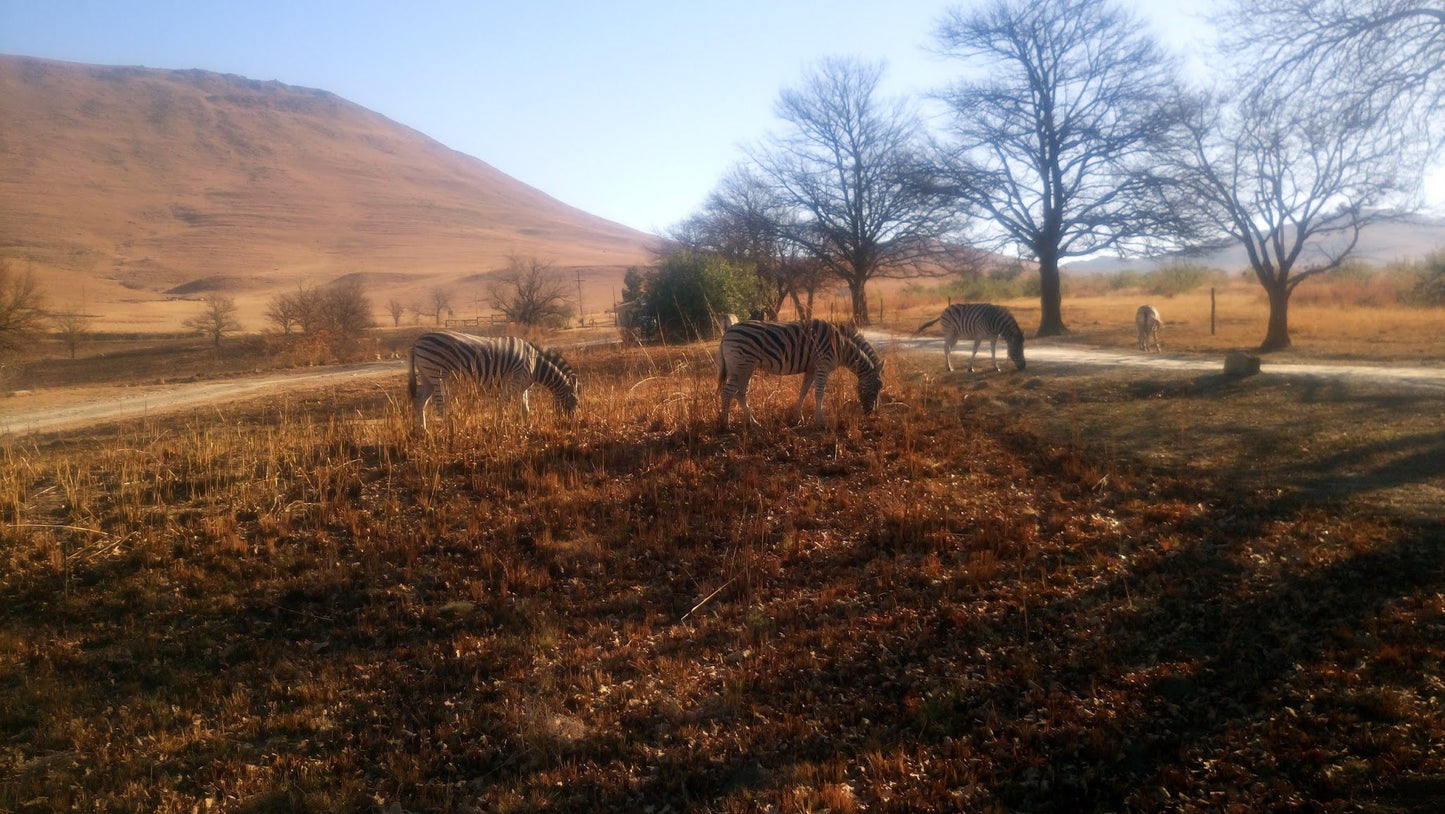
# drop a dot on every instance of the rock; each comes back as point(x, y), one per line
point(1241, 364)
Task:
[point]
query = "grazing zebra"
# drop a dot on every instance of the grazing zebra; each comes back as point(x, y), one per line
point(979, 321)
point(506, 362)
point(1148, 322)
point(813, 347)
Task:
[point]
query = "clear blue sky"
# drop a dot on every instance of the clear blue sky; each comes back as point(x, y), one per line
point(629, 109)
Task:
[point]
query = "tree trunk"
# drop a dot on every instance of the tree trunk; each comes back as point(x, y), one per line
point(1277, 337)
point(1051, 320)
point(859, 292)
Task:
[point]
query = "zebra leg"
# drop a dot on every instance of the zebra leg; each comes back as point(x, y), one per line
point(419, 401)
point(971, 359)
point(725, 396)
point(993, 351)
point(948, 352)
point(526, 406)
point(736, 386)
point(743, 400)
point(808, 379)
point(821, 385)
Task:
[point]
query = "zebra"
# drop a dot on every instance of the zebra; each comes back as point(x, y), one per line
point(812, 347)
point(979, 321)
point(507, 362)
point(1148, 322)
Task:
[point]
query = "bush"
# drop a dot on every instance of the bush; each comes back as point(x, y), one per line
point(1429, 289)
point(1124, 278)
point(1176, 278)
point(687, 297)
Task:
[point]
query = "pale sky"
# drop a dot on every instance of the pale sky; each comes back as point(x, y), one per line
point(628, 109)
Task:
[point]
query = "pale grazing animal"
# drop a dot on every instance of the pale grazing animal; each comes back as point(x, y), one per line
point(1146, 319)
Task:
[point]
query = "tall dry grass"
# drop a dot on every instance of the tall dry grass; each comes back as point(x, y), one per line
point(304, 604)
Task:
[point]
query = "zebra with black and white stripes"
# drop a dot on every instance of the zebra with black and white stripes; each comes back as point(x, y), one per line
point(979, 321)
point(1147, 320)
point(508, 363)
point(813, 347)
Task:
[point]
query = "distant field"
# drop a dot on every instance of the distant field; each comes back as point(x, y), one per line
point(1322, 325)
point(1037, 590)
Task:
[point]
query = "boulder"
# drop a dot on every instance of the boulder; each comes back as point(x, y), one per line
point(1240, 364)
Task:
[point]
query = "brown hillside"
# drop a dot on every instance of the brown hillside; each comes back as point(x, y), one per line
point(144, 188)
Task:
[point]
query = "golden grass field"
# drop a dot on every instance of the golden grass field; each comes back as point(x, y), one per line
point(1051, 589)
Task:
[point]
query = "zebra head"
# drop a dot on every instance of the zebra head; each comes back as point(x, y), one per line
point(562, 380)
point(866, 364)
point(868, 389)
point(1016, 349)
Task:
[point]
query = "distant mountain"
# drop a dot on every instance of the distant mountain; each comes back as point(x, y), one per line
point(1380, 244)
point(139, 186)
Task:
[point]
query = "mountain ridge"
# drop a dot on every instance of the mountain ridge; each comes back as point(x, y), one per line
point(134, 182)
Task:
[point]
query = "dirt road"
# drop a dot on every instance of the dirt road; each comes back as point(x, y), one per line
point(19, 417)
point(25, 415)
point(1075, 355)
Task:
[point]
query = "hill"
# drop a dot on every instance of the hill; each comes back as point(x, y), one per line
point(143, 188)
point(1380, 244)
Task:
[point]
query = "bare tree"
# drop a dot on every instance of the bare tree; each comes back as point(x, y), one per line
point(22, 309)
point(530, 292)
point(217, 319)
point(848, 167)
point(284, 311)
point(73, 327)
point(438, 300)
point(397, 310)
point(346, 311)
point(1294, 177)
point(1049, 139)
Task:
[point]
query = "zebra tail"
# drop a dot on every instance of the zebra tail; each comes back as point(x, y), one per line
point(722, 370)
point(925, 326)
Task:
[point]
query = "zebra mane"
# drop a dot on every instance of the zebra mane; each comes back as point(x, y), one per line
point(556, 360)
point(865, 360)
point(1015, 332)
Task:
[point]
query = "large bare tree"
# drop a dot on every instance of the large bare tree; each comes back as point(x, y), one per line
point(1051, 130)
point(847, 165)
point(1294, 177)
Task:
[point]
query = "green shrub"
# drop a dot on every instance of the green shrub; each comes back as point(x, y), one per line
point(1429, 289)
point(1125, 278)
point(688, 296)
point(1176, 278)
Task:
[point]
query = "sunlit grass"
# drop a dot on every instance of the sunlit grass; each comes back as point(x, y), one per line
point(307, 604)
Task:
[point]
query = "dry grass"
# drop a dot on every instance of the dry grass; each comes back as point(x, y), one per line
point(301, 606)
point(1326, 323)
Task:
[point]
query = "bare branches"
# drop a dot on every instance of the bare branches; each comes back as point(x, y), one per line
point(217, 318)
point(1389, 54)
point(1294, 173)
point(849, 167)
point(530, 292)
point(1052, 141)
point(22, 309)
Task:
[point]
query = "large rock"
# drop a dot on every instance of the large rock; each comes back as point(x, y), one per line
point(1241, 364)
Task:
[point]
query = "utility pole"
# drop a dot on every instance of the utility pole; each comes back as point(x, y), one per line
point(581, 321)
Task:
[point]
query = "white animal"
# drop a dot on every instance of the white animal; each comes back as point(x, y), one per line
point(1148, 322)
